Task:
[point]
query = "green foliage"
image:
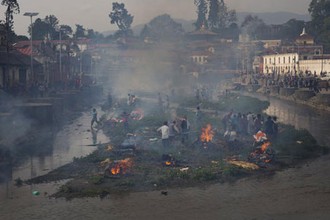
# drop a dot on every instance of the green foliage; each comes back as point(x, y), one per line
point(121, 18)
point(201, 13)
point(231, 171)
point(96, 179)
point(163, 27)
point(204, 174)
point(320, 13)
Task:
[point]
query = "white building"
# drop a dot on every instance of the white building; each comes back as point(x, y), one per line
point(290, 63)
point(317, 66)
point(281, 63)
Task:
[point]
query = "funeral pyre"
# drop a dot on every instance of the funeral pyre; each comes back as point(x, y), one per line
point(206, 137)
point(263, 153)
point(168, 160)
point(117, 167)
point(261, 157)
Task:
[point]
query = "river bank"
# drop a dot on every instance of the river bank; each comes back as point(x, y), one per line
point(285, 195)
point(303, 96)
point(191, 164)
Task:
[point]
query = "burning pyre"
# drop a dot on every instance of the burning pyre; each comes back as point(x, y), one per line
point(118, 167)
point(262, 154)
point(207, 134)
point(168, 160)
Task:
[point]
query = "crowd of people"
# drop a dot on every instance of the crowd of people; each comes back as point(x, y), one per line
point(289, 80)
point(249, 124)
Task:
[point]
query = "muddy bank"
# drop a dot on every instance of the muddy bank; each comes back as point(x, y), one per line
point(296, 193)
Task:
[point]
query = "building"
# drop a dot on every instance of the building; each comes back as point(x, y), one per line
point(304, 56)
point(15, 70)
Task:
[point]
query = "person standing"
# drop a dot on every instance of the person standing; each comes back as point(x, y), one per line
point(94, 117)
point(173, 130)
point(185, 126)
point(164, 129)
point(269, 127)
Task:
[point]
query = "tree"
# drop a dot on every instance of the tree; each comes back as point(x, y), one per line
point(80, 31)
point(254, 27)
point(146, 32)
point(320, 14)
point(319, 11)
point(225, 16)
point(213, 14)
point(121, 18)
point(40, 29)
point(291, 29)
point(52, 22)
point(163, 27)
point(201, 14)
point(46, 28)
point(12, 8)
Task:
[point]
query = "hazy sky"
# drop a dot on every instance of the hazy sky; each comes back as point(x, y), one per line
point(94, 13)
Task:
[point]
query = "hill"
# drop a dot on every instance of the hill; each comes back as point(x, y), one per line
point(267, 17)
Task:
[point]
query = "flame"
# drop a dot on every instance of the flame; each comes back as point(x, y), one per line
point(168, 163)
point(207, 133)
point(121, 166)
point(115, 170)
point(265, 146)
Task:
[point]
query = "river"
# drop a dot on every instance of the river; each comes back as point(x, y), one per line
point(300, 192)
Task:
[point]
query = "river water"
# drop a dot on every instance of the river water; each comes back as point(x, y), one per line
point(300, 192)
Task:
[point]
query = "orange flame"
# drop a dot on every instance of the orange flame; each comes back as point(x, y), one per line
point(207, 133)
point(168, 163)
point(121, 166)
point(265, 146)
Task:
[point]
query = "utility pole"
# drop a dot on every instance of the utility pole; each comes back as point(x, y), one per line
point(31, 14)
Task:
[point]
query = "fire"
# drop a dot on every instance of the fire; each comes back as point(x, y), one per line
point(121, 166)
point(115, 170)
point(265, 146)
point(207, 133)
point(168, 163)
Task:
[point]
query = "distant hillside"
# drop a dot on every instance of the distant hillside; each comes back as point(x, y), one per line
point(267, 17)
point(273, 17)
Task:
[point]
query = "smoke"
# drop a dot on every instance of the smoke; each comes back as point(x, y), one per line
point(145, 70)
point(14, 124)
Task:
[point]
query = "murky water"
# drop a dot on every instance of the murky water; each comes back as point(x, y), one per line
point(302, 192)
point(302, 117)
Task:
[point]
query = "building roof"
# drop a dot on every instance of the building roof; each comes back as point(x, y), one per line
point(15, 58)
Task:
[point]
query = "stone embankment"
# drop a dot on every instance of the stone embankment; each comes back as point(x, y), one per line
point(305, 96)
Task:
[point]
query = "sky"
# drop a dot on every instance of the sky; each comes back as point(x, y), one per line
point(93, 14)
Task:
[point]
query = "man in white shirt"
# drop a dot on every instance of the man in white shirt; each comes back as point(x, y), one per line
point(165, 134)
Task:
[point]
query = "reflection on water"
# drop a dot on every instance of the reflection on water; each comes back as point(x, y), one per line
point(302, 117)
point(74, 140)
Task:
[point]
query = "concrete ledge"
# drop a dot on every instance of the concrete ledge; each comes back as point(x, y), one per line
point(287, 91)
point(274, 90)
point(252, 87)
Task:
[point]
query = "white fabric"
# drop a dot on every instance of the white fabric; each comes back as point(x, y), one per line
point(165, 131)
